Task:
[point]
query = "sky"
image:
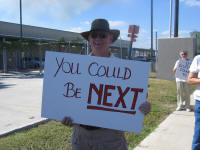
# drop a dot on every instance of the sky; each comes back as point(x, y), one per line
point(77, 15)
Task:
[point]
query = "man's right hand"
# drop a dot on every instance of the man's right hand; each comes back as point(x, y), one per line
point(67, 121)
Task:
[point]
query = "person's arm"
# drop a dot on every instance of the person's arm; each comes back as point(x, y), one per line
point(175, 67)
point(193, 79)
point(174, 70)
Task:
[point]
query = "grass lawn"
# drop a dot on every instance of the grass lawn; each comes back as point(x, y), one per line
point(54, 136)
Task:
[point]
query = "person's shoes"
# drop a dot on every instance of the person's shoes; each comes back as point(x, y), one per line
point(178, 108)
point(188, 110)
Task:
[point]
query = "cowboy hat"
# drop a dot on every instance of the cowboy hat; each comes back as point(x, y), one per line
point(101, 25)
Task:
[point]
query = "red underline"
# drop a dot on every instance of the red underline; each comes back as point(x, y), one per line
point(109, 109)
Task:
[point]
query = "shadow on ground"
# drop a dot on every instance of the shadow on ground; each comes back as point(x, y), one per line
point(21, 75)
point(3, 86)
point(17, 75)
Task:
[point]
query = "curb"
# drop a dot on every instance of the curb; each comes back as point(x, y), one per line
point(33, 125)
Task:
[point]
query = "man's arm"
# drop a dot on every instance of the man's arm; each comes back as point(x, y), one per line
point(174, 70)
point(175, 66)
point(193, 79)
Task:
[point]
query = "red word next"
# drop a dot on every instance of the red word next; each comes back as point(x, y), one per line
point(103, 93)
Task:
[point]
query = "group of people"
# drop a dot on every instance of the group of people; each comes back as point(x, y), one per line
point(84, 137)
point(183, 88)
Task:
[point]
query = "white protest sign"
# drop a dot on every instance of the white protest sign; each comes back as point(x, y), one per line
point(96, 91)
point(182, 70)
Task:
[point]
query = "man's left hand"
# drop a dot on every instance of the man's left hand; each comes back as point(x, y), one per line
point(145, 107)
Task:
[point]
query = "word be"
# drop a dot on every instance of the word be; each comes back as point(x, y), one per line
point(71, 91)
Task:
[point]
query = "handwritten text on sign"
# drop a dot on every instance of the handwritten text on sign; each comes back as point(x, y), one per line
point(183, 69)
point(97, 91)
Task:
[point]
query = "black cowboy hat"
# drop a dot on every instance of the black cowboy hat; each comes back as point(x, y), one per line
point(101, 25)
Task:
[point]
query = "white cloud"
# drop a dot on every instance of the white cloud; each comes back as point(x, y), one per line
point(76, 29)
point(86, 23)
point(184, 33)
point(8, 9)
point(165, 32)
point(191, 2)
point(143, 31)
point(181, 33)
point(117, 23)
point(39, 11)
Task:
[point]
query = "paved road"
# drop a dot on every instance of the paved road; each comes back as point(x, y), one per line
point(20, 101)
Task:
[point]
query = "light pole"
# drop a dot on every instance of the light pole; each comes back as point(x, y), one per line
point(151, 27)
point(170, 19)
point(176, 18)
point(21, 38)
point(21, 34)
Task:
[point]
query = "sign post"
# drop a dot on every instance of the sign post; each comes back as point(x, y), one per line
point(132, 31)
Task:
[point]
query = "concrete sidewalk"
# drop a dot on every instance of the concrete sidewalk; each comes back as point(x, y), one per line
point(20, 101)
point(174, 133)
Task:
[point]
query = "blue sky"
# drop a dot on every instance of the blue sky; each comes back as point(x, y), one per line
point(76, 15)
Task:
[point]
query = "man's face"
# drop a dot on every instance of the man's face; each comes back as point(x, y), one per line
point(183, 55)
point(100, 41)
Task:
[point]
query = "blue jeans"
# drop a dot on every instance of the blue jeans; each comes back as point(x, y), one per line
point(196, 137)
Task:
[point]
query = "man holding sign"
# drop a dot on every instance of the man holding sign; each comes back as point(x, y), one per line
point(181, 70)
point(86, 137)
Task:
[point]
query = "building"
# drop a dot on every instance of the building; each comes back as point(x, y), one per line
point(17, 53)
point(196, 35)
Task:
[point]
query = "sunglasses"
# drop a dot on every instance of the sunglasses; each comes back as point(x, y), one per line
point(94, 35)
point(184, 54)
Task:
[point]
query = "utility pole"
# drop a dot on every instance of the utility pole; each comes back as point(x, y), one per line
point(170, 19)
point(120, 47)
point(156, 41)
point(18, 56)
point(4, 56)
point(176, 18)
point(21, 33)
point(151, 28)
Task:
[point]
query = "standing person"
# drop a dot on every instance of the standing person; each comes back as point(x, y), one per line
point(85, 137)
point(194, 79)
point(182, 85)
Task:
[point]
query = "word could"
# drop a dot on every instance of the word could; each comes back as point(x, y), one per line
point(97, 70)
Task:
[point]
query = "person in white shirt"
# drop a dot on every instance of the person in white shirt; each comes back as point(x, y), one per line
point(194, 79)
point(182, 86)
point(86, 137)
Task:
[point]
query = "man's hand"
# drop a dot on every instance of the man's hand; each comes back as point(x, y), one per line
point(145, 107)
point(67, 121)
